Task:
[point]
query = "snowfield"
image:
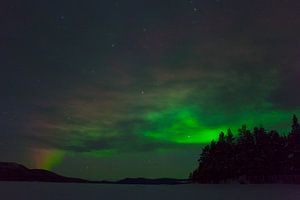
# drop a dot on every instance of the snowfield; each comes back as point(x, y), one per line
point(63, 191)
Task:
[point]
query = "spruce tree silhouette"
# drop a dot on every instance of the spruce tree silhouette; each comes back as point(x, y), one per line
point(295, 125)
point(294, 148)
point(258, 156)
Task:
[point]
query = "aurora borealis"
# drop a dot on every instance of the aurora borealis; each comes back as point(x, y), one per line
point(114, 89)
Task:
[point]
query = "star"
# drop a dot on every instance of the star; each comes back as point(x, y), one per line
point(61, 18)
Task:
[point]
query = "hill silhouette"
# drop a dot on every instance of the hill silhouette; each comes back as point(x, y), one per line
point(146, 181)
point(10, 171)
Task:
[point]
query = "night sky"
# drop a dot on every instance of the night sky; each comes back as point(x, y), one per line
point(135, 88)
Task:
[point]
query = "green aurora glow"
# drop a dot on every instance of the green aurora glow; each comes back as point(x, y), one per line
point(107, 90)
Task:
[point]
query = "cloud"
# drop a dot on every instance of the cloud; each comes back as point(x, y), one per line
point(234, 60)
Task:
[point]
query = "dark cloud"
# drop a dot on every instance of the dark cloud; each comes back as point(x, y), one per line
point(80, 143)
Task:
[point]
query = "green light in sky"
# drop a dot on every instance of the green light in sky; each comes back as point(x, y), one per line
point(184, 124)
point(179, 125)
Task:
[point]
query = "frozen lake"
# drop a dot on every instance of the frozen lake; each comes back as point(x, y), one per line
point(62, 191)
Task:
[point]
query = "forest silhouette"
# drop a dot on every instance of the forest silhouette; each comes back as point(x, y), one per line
point(257, 156)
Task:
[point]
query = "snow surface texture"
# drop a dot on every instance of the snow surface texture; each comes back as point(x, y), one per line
point(62, 191)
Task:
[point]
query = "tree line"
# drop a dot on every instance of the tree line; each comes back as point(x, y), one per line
point(257, 156)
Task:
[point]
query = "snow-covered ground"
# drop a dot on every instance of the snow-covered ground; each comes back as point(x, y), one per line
point(62, 191)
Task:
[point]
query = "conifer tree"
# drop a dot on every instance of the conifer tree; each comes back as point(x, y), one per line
point(259, 155)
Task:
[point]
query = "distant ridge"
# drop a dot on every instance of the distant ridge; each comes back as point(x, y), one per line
point(10, 171)
point(146, 181)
